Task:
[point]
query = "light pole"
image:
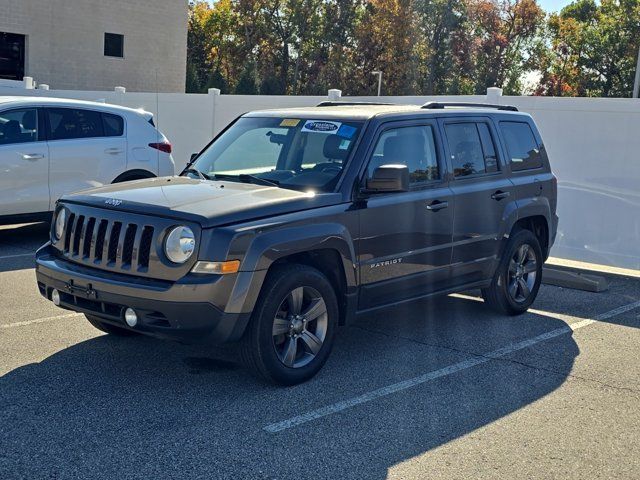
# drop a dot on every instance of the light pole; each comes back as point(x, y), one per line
point(378, 73)
point(636, 84)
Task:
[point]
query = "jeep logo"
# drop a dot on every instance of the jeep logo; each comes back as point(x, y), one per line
point(113, 202)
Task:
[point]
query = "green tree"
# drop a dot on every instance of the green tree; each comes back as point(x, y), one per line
point(247, 82)
point(593, 49)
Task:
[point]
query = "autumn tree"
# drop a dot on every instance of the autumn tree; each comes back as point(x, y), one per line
point(593, 49)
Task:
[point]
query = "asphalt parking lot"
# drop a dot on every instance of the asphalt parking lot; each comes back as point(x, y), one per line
point(438, 389)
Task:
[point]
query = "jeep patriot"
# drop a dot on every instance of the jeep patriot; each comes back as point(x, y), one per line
point(292, 222)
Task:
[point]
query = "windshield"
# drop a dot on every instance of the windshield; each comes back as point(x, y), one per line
point(290, 152)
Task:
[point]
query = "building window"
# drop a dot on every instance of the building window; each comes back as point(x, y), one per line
point(113, 45)
point(12, 54)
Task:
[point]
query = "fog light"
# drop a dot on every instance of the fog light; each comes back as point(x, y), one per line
point(130, 317)
point(55, 297)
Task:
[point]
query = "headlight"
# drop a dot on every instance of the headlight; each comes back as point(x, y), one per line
point(61, 220)
point(180, 244)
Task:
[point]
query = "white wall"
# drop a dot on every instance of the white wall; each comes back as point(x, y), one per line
point(594, 146)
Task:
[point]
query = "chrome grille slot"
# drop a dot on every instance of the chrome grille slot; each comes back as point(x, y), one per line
point(77, 235)
point(145, 247)
point(67, 232)
point(127, 247)
point(99, 244)
point(88, 238)
point(117, 241)
point(112, 248)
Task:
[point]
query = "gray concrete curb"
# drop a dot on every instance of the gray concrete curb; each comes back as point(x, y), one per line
point(574, 280)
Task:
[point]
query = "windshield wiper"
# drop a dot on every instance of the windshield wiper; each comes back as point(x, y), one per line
point(246, 178)
point(197, 172)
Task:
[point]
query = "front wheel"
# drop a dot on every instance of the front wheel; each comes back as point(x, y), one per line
point(292, 328)
point(517, 280)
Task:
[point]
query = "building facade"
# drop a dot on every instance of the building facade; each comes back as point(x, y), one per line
point(95, 44)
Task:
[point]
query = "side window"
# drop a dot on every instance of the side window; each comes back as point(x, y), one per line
point(113, 125)
point(521, 145)
point(411, 146)
point(68, 123)
point(468, 151)
point(18, 126)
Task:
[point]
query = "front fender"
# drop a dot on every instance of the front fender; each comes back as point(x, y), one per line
point(271, 246)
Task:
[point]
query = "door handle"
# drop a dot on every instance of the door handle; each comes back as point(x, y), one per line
point(499, 195)
point(32, 156)
point(437, 205)
point(113, 151)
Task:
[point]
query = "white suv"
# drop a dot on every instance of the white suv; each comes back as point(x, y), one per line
point(50, 147)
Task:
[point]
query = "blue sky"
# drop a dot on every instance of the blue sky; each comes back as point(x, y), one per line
point(553, 5)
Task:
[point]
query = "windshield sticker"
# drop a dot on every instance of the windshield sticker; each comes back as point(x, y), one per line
point(344, 144)
point(289, 122)
point(346, 131)
point(321, 126)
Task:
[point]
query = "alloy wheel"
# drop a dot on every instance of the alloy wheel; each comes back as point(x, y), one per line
point(300, 327)
point(523, 269)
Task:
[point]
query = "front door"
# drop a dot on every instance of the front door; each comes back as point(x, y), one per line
point(82, 156)
point(404, 249)
point(24, 163)
point(484, 196)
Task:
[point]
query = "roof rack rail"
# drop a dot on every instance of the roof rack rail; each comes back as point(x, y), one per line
point(332, 103)
point(441, 105)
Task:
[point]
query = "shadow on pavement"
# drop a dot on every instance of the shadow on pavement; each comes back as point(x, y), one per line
point(18, 244)
point(137, 407)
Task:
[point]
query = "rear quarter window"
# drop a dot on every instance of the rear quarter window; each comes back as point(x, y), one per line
point(522, 146)
point(113, 125)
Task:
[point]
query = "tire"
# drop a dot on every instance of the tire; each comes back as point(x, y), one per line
point(292, 329)
point(108, 328)
point(517, 279)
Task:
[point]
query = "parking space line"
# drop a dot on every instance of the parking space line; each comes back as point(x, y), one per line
point(5, 257)
point(38, 320)
point(451, 369)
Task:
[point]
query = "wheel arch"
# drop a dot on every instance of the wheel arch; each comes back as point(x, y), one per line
point(135, 174)
point(325, 247)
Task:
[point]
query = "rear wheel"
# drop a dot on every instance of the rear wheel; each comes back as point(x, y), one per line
point(108, 328)
point(517, 280)
point(292, 328)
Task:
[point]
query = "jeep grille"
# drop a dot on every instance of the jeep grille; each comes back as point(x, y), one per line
point(125, 246)
point(120, 242)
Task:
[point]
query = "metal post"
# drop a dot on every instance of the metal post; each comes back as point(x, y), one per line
point(334, 95)
point(636, 84)
point(378, 73)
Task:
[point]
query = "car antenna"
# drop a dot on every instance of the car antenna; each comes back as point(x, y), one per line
point(157, 124)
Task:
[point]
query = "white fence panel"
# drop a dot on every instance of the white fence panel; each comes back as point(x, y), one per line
point(593, 145)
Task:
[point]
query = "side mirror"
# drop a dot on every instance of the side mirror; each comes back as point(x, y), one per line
point(193, 157)
point(389, 178)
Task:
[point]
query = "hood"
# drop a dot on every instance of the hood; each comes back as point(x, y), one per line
point(210, 203)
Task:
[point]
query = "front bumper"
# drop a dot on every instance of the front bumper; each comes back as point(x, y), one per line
point(180, 311)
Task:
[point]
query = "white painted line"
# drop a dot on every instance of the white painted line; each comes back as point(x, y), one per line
point(443, 372)
point(18, 255)
point(38, 320)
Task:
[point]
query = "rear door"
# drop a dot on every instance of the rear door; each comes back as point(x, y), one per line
point(483, 193)
point(404, 249)
point(87, 149)
point(24, 163)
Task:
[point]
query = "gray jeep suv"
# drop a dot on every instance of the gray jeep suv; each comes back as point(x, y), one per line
point(292, 222)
